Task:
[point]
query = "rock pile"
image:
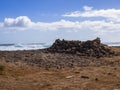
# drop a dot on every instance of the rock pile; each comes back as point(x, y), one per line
point(92, 48)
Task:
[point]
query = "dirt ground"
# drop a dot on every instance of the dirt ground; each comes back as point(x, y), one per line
point(19, 75)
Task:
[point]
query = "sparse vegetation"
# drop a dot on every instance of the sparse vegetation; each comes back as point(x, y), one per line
point(1, 68)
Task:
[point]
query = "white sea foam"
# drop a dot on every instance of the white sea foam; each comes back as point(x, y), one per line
point(30, 46)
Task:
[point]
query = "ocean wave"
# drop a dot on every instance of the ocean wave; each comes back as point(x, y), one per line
point(28, 46)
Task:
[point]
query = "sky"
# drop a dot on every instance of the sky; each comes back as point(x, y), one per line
point(35, 21)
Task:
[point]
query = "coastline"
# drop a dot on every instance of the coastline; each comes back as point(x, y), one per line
point(44, 70)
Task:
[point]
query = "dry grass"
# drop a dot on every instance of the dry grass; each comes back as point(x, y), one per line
point(22, 76)
point(19, 76)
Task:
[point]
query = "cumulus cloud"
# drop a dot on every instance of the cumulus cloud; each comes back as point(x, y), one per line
point(21, 21)
point(25, 23)
point(108, 14)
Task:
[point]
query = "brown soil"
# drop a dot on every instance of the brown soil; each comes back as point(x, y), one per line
point(39, 70)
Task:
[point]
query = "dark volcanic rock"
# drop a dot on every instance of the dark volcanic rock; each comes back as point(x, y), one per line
point(92, 48)
point(85, 77)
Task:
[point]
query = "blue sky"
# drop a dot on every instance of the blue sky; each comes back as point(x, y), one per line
point(28, 21)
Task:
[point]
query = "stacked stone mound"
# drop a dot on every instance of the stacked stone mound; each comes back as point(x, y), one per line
point(92, 48)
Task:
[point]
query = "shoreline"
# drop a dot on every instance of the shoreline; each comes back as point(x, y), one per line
point(44, 69)
point(43, 49)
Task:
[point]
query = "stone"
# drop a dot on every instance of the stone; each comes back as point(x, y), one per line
point(96, 79)
point(85, 77)
point(68, 77)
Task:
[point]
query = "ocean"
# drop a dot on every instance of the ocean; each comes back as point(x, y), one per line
point(28, 46)
point(34, 46)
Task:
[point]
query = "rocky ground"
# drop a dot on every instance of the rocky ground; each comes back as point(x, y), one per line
point(57, 69)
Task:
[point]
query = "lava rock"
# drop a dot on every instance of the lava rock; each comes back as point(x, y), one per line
point(85, 77)
point(92, 48)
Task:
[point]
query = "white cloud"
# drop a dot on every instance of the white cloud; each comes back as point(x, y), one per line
point(87, 8)
point(24, 23)
point(21, 21)
point(108, 14)
point(1, 25)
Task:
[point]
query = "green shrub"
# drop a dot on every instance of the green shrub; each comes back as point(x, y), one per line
point(1, 68)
